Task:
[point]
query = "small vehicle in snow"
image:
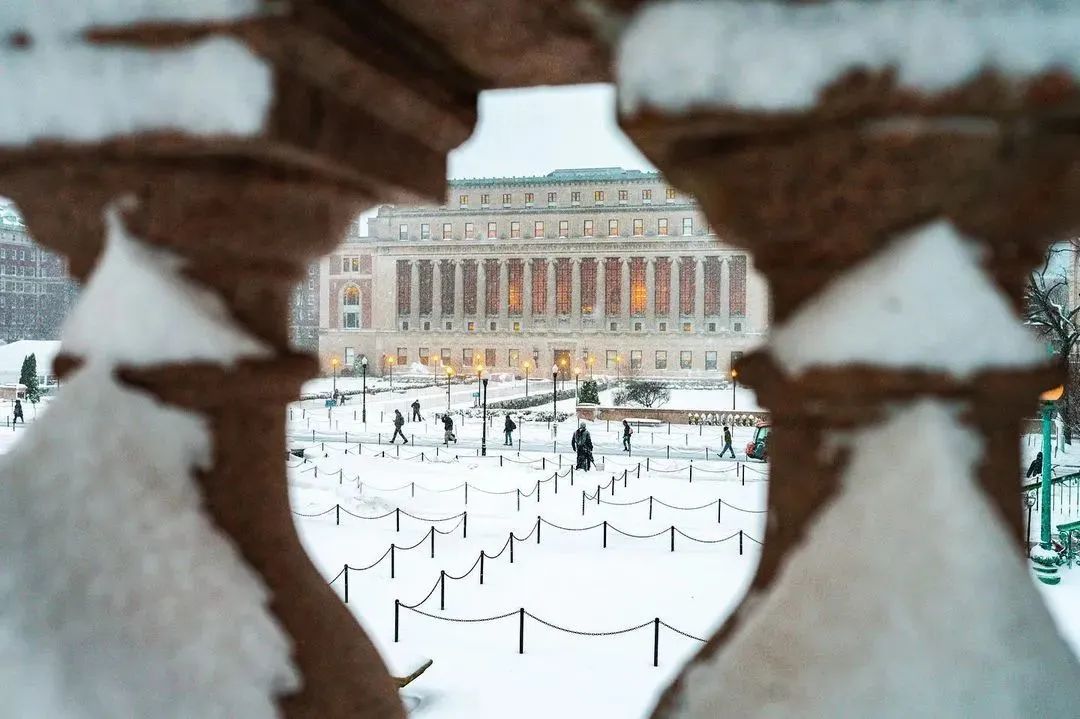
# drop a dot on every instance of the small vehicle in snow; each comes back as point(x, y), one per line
point(758, 447)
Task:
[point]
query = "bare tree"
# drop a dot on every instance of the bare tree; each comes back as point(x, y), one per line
point(644, 393)
point(1047, 301)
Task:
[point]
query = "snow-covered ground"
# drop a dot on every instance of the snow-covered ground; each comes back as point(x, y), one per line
point(569, 579)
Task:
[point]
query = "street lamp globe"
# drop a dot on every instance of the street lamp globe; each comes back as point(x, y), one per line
point(363, 361)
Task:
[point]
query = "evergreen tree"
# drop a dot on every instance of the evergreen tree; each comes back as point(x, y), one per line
point(589, 393)
point(28, 377)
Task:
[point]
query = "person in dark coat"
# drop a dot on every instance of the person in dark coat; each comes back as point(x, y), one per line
point(727, 443)
point(448, 429)
point(1035, 468)
point(399, 422)
point(581, 443)
point(508, 431)
point(416, 412)
point(626, 432)
point(19, 413)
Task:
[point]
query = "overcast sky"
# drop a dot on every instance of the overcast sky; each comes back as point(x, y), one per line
point(534, 131)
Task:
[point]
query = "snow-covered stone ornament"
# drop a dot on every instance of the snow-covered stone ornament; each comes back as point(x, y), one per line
point(119, 597)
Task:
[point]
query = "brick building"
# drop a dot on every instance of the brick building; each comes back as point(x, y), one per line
point(603, 267)
point(36, 292)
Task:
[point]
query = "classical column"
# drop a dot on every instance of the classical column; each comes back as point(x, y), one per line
point(650, 290)
point(725, 292)
point(414, 294)
point(504, 294)
point(526, 293)
point(699, 293)
point(862, 274)
point(624, 293)
point(436, 294)
point(601, 293)
point(575, 294)
point(459, 294)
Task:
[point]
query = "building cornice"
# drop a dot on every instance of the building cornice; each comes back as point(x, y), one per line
point(451, 249)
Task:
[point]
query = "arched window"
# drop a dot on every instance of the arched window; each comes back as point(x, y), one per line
point(350, 316)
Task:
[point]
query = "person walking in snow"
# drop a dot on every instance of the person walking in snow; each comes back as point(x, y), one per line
point(508, 431)
point(399, 422)
point(448, 429)
point(626, 432)
point(727, 443)
point(416, 411)
point(1035, 468)
point(19, 414)
point(581, 443)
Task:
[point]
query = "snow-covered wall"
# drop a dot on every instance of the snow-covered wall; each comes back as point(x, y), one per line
point(773, 56)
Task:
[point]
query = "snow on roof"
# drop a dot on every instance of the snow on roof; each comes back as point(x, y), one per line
point(779, 55)
point(169, 319)
point(11, 355)
point(923, 303)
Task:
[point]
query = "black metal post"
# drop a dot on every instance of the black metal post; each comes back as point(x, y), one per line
point(521, 631)
point(442, 590)
point(393, 567)
point(397, 618)
point(656, 642)
point(346, 571)
point(554, 400)
point(483, 431)
point(363, 393)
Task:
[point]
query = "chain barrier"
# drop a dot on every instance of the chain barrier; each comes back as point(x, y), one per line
point(711, 541)
point(358, 516)
point(639, 536)
point(328, 511)
point(572, 529)
point(433, 519)
point(452, 530)
point(459, 620)
point(679, 631)
point(375, 563)
point(741, 509)
point(584, 633)
point(337, 577)
point(686, 509)
point(473, 567)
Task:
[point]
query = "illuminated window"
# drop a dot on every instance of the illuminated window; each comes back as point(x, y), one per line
point(490, 358)
point(564, 228)
point(528, 198)
point(463, 200)
point(515, 229)
point(612, 286)
point(563, 285)
point(467, 354)
point(447, 231)
point(611, 358)
point(686, 286)
point(402, 356)
point(350, 318)
point(404, 287)
point(513, 358)
point(470, 231)
point(516, 289)
point(662, 288)
point(587, 228)
point(639, 228)
point(639, 293)
point(506, 200)
point(646, 196)
point(491, 287)
point(737, 286)
point(623, 195)
point(485, 200)
point(588, 286)
point(671, 194)
point(539, 286)
point(613, 228)
point(661, 226)
point(492, 231)
point(538, 228)
point(598, 196)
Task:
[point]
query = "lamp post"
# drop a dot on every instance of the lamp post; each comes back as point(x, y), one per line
point(526, 380)
point(564, 374)
point(734, 384)
point(449, 374)
point(554, 397)
point(1045, 567)
point(479, 374)
point(363, 393)
point(591, 360)
point(577, 376)
point(334, 364)
point(483, 416)
point(390, 360)
point(617, 368)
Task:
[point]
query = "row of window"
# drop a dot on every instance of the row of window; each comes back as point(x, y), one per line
point(588, 229)
point(613, 360)
point(599, 197)
point(18, 270)
point(493, 325)
point(18, 253)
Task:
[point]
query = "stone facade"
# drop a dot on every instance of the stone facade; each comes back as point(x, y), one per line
point(36, 291)
point(600, 270)
point(304, 311)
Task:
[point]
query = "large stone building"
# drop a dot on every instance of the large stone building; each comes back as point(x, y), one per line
point(603, 269)
point(36, 292)
point(304, 312)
